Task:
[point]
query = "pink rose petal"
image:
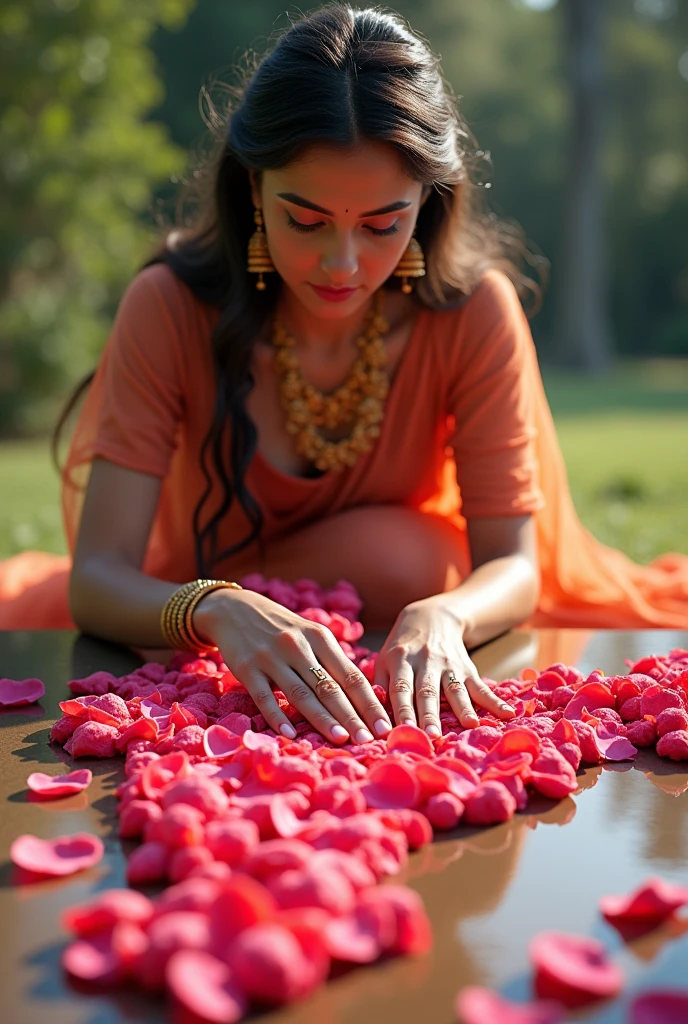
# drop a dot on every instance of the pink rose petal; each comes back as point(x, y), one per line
point(659, 1007)
point(52, 786)
point(475, 1005)
point(62, 856)
point(573, 969)
point(410, 738)
point(611, 746)
point(219, 742)
point(390, 784)
point(204, 987)
point(15, 692)
point(103, 959)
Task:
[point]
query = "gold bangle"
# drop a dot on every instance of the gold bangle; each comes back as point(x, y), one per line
point(176, 616)
point(191, 607)
point(168, 611)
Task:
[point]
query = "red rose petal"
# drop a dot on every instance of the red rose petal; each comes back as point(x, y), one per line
point(654, 900)
point(475, 1005)
point(106, 909)
point(410, 738)
point(49, 787)
point(591, 696)
point(62, 856)
point(516, 741)
point(573, 969)
point(204, 987)
point(659, 1007)
point(15, 692)
point(160, 773)
point(390, 784)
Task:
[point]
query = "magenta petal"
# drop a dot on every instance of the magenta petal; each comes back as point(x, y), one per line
point(52, 786)
point(203, 985)
point(62, 856)
point(475, 1005)
point(220, 742)
point(573, 969)
point(14, 692)
point(659, 1007)
point(611, 746)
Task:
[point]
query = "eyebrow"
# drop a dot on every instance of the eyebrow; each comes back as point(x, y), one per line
point(291, 197)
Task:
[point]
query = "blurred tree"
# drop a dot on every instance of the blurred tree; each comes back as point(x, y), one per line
point(584, 338)
point(77, 165)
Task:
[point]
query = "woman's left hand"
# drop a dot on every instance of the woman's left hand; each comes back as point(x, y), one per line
point(423, 650)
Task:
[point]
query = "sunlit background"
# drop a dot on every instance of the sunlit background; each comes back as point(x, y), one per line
point(582, 106)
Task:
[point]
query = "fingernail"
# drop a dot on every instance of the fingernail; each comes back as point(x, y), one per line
point(288, 730)
point(339, 732)
point(363, 736)
point(471, 721)
point(382, 727)
point(507, 707)
point(433, 731)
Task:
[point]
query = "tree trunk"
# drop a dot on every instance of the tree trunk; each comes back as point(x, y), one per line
point(583, 331)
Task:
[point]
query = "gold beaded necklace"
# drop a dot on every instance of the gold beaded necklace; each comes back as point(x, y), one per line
point(360, 399)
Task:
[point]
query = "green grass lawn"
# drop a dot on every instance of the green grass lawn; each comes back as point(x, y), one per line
point(625, 440)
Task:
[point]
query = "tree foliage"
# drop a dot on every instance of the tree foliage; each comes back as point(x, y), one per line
point(78, 162)
point(101, 98)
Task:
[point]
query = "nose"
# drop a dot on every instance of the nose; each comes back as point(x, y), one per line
point(339, 261)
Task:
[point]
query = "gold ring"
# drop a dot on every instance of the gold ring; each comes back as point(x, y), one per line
point(319, 673)
point(452, 678)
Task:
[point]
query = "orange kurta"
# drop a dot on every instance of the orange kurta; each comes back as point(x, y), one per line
point(467, 432)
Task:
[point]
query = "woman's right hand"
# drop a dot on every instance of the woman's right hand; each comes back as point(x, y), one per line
point(265, 645)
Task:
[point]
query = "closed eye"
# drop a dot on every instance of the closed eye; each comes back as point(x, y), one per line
point(297, 225)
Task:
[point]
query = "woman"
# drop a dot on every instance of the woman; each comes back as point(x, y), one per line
point(270, 398)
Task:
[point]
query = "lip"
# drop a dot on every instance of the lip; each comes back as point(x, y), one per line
point(332, 294)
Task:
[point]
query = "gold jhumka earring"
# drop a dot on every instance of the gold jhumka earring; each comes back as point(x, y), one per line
point(259, 259)
point(411, 264)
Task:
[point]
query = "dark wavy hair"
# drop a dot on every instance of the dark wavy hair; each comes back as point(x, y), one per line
point(338, 76)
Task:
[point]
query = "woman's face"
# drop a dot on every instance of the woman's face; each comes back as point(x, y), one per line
point(338, 219)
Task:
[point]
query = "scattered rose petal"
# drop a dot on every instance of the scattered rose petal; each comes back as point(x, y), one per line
point(573, 969)
point(654, 901)
point(15, 692)
point(204, 987)
point(390, 784)
point(49, 787)
point(475, 1005)
point(659, 1007)
point(62, 856)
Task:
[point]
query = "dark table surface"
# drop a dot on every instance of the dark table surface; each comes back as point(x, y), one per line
point(487, 891)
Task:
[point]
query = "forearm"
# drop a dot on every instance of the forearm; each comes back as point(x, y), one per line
point(116, 601)
point(496, 596)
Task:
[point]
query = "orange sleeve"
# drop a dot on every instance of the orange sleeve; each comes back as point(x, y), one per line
point(141, 371)
point(494, 432)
